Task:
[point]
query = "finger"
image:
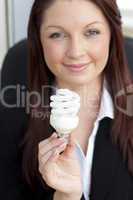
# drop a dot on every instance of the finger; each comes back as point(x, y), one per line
point(50, 145)
point(44, 142)
point(70, 150)
point(56, 153)
point(49, 158)
point(43, 159)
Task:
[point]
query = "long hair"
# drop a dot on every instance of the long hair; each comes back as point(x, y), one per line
point(117, 74)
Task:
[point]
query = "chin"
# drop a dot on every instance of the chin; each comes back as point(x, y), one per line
point(78, 81)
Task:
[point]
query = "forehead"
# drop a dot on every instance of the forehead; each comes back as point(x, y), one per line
point(70, 12)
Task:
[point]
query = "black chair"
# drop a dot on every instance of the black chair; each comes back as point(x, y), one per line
point(14, 69)
point(129, 52)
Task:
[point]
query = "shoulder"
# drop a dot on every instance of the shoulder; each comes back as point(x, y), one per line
point(109, 171)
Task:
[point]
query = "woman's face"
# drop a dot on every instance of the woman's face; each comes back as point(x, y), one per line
point(72, 33)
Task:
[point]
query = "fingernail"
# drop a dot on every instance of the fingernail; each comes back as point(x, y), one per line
point(63, 145)
point(54, 135)
point(61, 139)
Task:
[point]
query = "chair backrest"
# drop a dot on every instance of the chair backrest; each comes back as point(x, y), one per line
point(129, 52)
point(14, 68)
point(14, 73)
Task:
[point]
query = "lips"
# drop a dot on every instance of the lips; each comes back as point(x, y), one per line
point(76, 67)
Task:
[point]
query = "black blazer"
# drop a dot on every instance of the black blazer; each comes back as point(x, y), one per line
point(110, 177)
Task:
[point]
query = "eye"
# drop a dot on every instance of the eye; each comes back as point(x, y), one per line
point(56, 35)
point(92, 32)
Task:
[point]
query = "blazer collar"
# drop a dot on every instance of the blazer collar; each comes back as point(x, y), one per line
point(104, 162)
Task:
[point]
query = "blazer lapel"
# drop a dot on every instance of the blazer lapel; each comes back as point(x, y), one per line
point(104, 162)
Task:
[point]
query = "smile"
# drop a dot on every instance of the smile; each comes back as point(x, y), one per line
point(77, 67)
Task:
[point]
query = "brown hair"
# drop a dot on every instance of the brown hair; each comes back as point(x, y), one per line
point(116, 72)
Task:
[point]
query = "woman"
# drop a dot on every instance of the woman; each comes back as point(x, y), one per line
point(97, 163)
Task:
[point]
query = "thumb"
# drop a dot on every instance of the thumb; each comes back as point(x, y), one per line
point(70, 149)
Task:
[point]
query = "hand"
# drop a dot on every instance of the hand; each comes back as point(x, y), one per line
point(61, 196)
point(60, 171)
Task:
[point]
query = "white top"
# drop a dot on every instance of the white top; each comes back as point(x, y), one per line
point(106, 110)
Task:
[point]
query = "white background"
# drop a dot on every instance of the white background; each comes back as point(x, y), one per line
point(21, 15)
point(3, 43)
point(125, 4)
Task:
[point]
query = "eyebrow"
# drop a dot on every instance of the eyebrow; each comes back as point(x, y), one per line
point(57, 26)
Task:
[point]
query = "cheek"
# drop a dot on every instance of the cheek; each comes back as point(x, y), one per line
point(100, 52)
point(53, 53)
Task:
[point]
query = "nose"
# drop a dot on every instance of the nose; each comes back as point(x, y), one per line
point(76, 48)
